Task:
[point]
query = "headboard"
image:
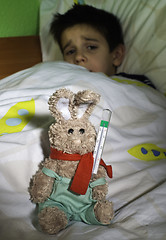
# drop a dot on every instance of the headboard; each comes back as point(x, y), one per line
point(18, 53)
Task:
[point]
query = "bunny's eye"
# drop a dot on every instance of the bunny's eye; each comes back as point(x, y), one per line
point(70, 131)
point(82, 131)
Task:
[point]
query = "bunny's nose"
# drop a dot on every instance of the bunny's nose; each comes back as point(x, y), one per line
point(77, 141)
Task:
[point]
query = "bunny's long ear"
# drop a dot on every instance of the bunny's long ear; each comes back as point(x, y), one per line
point(86, 101)
point(61, 105)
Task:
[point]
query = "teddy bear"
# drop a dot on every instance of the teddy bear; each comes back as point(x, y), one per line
point(64, 187)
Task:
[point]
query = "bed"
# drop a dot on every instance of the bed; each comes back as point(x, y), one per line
point(136, 140)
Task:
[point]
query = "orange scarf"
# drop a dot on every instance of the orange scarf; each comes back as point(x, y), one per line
point(83, 173)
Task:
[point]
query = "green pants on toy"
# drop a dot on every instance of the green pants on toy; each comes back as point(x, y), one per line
point(76, 207)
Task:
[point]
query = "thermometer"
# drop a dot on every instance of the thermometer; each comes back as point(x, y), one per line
point(102, 133)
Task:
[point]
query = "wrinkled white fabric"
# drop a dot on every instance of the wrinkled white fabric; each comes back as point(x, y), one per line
point(138, 121)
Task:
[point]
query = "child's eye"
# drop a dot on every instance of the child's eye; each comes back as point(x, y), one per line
point(92, 47)
point(70, 52)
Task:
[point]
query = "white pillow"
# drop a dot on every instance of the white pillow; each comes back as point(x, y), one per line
point(144, 34)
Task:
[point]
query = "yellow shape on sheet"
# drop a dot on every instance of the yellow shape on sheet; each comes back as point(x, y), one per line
point(148, 152)
point(128, 81)
point(79, 2)
point(17, 117)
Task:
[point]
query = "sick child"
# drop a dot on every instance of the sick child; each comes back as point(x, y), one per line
point(92, 38)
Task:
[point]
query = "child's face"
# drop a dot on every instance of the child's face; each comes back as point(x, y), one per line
point(83, 45)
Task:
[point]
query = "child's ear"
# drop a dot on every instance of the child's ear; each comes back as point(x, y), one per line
point(118, 55)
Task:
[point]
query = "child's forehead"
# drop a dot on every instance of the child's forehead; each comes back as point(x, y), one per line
point(83, 30)
point(82, 26)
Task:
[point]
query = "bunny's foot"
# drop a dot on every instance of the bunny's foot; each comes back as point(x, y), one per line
point(52, 220)
point(104, 212)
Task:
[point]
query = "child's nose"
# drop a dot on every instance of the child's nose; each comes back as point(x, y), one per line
point(80, 58)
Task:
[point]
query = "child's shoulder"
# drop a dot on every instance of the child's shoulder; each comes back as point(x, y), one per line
point(141, 78)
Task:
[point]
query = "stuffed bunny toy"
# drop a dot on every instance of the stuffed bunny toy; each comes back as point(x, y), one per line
point(64, 187)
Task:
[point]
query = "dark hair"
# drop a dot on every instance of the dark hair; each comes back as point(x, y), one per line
point(104, 22)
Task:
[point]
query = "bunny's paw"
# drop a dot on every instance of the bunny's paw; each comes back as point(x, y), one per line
point(104, 212)
point(52, 220)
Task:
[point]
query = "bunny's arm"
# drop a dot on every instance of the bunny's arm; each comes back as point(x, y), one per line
point(100, 192)
point(41, 185)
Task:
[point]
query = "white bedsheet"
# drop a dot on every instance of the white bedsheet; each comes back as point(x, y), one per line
point(135, 147)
